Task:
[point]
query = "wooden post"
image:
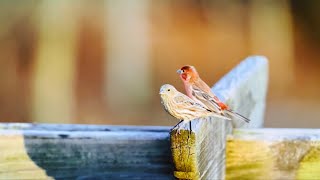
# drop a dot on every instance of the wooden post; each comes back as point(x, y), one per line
point(200, 154)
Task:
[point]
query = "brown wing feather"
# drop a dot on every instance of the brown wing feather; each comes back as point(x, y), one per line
point(206, 99)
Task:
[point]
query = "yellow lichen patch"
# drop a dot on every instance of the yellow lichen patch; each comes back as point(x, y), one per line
point(15, 162)
point(248, 160)
point(184, 175)
point(184, 157)
point(287, 155)
point(309, 167)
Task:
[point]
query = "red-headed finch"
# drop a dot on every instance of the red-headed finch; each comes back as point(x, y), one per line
point(182, 107)
point(200, 92)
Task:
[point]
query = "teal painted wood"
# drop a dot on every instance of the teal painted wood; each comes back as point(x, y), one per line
point(97, 152)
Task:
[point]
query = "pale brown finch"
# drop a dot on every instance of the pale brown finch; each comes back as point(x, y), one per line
point(200, 92)
point(182, 107)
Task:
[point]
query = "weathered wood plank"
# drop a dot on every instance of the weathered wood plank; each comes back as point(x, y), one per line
point(78, 127)
point(29, 151)
point(244, 89)
point(273, 154)
point(201, 154)
point(84, 152)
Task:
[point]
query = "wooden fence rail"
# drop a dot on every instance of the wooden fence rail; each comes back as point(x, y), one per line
point(84, 152)
point(32, 151)
point(213, 150)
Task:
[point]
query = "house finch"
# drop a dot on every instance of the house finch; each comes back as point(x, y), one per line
point(200, 92)
point(182, 107)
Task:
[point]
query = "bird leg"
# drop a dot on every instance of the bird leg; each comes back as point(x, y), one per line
point(178, 129)
point(190, 127)
point(176, 125)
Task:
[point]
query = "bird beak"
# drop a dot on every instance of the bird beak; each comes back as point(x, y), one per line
point(179, 71)
point(161, 92)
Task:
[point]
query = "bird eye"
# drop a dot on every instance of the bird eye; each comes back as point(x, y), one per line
point(168, 90)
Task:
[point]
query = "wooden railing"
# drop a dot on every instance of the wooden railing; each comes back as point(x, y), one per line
point(38, 151)
point(213, 150)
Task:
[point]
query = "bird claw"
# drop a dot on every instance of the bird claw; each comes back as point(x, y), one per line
point(177, 130)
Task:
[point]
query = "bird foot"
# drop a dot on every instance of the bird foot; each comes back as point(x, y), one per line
point(177, 130)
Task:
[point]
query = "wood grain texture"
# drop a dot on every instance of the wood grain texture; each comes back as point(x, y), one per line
point(244, 89)
point(273, 154)
point(41, 151)
point(86, 152)
point(201, 154)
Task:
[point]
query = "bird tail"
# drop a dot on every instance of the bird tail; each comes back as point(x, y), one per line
point(237, 115)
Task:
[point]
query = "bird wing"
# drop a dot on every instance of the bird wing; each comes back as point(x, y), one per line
point(188, 103)
point(205, 88)
point(206, 99)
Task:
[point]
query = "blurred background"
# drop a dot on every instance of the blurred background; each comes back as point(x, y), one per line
point(102, 62)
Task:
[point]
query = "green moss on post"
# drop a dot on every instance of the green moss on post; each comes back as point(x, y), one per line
point(201, 153)
point(184, 154)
